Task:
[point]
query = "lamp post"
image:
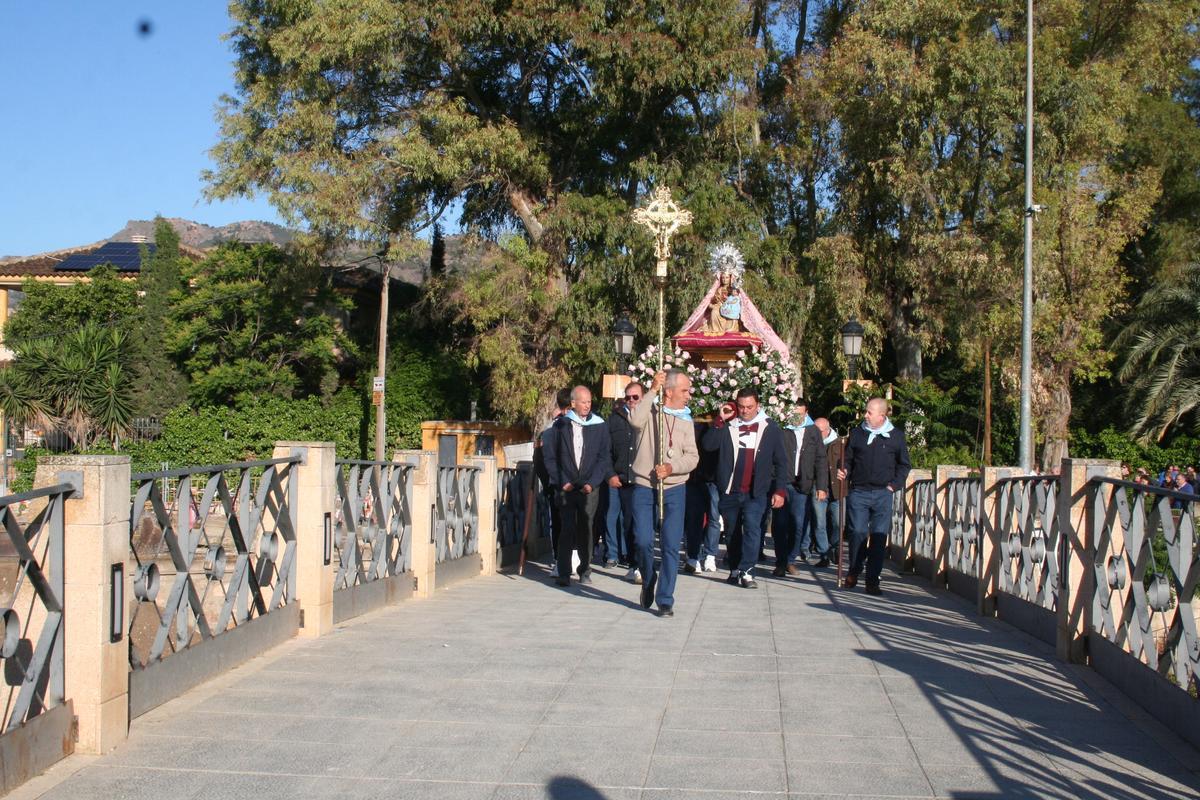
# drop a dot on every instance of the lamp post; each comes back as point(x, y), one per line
point(623, 332)
point(1025, 457)
point(852, 338)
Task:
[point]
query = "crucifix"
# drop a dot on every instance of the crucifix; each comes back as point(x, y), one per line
point(664, 218)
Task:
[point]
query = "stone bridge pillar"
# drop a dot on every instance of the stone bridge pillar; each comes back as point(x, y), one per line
point(1077, 579)
point(941, 527)
point(316, 497)
point(989, 537)
point(486, 503)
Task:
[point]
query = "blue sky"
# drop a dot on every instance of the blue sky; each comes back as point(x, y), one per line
point(100, 125)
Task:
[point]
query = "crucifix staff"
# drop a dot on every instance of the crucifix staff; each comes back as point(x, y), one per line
point(664, 219)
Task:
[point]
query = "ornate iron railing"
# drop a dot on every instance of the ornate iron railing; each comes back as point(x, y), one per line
point(227, 555)
point(1029, 538)
point(924, 516)
point(964, 518)
point(1134, 583)
point(32, 647)
point(456, 517)
point(899, 512)
point(372, 533)
point(512, 498)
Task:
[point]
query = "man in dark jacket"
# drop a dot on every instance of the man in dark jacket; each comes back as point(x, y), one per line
point(808, 475)
point(876, 465)
point(618, 538)
point(578, 456)
point(562, 405)
point(824, 515)
point(751, 472)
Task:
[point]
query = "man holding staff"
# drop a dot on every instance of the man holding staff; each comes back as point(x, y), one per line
point(668, 422)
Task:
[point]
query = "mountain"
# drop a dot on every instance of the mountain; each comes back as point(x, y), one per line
point(201, 236)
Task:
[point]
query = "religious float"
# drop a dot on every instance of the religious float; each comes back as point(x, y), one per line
point(726, 344)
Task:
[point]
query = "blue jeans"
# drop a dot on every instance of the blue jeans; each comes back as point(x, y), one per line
point(868, 511)
point(618, 522)
point(644, 519)
point(703, 534)
point(743, 518)
point(799, 507)
point(824, 522)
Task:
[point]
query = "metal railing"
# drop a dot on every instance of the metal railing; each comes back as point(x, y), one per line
point(1146, 564)
point(924, 517)
point(372, 524)
point(32, 648)
point(1029, 538)
point(456, 513)
point(899, 513)
point(964, 516)
point(227, 555)
point(512, 498)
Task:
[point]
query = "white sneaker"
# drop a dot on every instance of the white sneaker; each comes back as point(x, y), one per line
point(575, 562)
point(710, 564)
point(634, 576)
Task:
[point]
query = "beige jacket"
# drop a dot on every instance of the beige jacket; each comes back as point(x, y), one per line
point(682, 443)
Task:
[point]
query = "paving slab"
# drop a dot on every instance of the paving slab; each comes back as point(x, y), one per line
point(510, 688)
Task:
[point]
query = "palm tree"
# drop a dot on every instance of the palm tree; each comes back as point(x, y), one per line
point(1161, 356)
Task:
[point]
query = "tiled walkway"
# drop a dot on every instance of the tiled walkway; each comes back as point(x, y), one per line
point(509, 687)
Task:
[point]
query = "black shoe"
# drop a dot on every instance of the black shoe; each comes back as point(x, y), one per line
point(780, 571)
point(563, 581)
point(850, 581)
point(824, 562)
point(747, 581)
point(586, 578)
point(873, 588)
point(733, 577)
point(688, 569)
point(665, 611)
point(648, 584)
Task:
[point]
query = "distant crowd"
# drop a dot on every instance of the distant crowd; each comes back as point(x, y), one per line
point(1176, 478)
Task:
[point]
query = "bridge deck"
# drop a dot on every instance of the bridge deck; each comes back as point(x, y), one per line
point(507, 687)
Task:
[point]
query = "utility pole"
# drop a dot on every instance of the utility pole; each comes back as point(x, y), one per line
point(377, 387)
point(1026, 438)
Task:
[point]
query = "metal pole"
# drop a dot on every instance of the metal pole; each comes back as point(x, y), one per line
point(1026, 437)
point(662, 398)
point(381, 362)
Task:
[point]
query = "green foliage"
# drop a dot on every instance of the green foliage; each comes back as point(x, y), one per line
point(1116, 445)
point(49, 310)
point(249, 430)
point(1162, 357)
point(423, 383)
point(159, 386)
point(257, 320)
point(80, 382)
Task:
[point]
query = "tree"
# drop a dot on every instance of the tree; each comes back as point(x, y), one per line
point(159, 386)
point(256, 319)
point(80, 382)
point(1161, 357)
point(437, 252)
point(48, 310)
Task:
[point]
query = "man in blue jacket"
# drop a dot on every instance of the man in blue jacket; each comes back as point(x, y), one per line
point(877, 465)
point(751, 471)
point(578, 456)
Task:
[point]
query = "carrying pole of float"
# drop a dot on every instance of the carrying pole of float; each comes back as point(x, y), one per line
point(664, 219)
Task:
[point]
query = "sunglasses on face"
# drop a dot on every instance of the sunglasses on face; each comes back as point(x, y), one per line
point(633, 397)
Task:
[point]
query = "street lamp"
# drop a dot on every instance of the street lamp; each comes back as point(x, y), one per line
point(852, 337)
point(623, 333)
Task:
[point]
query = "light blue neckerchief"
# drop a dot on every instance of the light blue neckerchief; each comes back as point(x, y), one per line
point(684, 413)
point(831, 438)
point(807, 423)
point(884, 430)
point(593, 419)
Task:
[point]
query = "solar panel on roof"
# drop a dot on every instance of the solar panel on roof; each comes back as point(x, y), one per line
point(125, 256)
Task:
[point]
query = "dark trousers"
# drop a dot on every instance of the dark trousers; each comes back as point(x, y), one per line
point(742, 515)
point(577, 513)
point(793, 519)
point(868, 521)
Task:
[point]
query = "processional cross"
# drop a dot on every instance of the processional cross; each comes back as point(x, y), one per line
point(664, 218)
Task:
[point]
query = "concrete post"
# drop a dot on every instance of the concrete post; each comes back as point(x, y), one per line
point(316, 498)
point(96, 537)
point(989, 537)
point(1077, 579)
point(906, 549)
point(487, 501)
point(424, 554)
point(941, 526)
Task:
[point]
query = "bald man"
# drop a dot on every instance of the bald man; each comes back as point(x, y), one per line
point(876, 465)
